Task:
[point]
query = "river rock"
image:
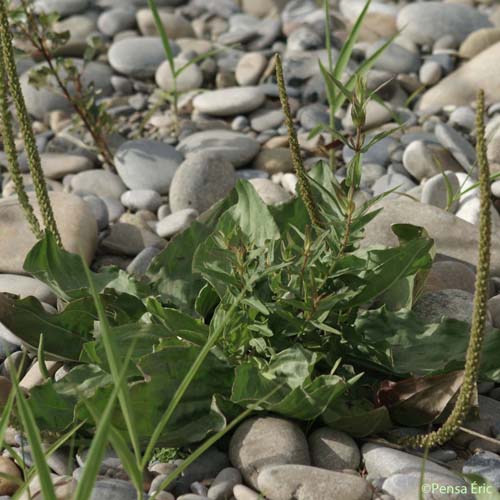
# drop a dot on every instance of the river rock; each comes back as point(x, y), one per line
point(57, 165)
point(456, 304)
point(24, 286)
point(62, 7)
point(113, 21)
point(333, 450)
point(8, 486)
point(141, 199)
point(176, 222)
point(442, 226)
point(230, 101)
point(449, 274)
point(460, 87)
point(250, 68)
point(40, 102)
point(99, 183)
point(201, 181)
point(176, 25)
point(147, 164)
point(75, 221)
point(274, 161)
point(301, 482)
point(266, 441)
point(486, 464)
point(425, 22)
point(478, 41)
point(270, 192)
point(190, 79)
point(239, 149)
point(138, 57)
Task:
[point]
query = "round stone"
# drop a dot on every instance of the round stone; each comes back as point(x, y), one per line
point(230, 101)
point(62, 7)
point(250, 68)
point(57, 165)
point(436, 190)
point(200, 181)
point(176, 25)
point(25, 286)
point(99, 209)
point(478, 41)
point(176, 222)
point(274, 160)
point(333, 450)
point(449, 274)
point(190, 79)
point(430, 73)
point(432, 307)
point(419, 160)
point(138, 57)
point(99, 183)
point(269, 192)
point(262, 442)
point(113, 21)
point(8, 467)
point(395, 58)
point(237, 148)
point(141, 199)
point(147, 164)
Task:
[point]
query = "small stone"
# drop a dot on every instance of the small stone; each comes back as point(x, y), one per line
point(176, 222)
point(274, 160)
point(262, 442)
point(35, 377)
point(250, 68)
point(242, 492)
point(370, 173)
point(432, 307)
point(223, 484)
point(99, 209)
point(229, 101)
point(463, 117)
point(56, 166)
point(435, 191)
point(176, 25)
point(142, 261)
point(430, 73)
point(114, 20)
point(8, 467)
point(443, 455)
point(141, 199)
point(494, 148)
point(146, 164)
point(390, 181)
point(419, 160)
point(270, 193)
point(478, 41)
point(449, 274)
point(114, 207)
point(190, 79)
point(266, 118)
point(333, 450)
point(486, 464)
point(113, 489)
point(25, 286)
point(62, 7)
point(237, 148)
point(395, 58)
point(201, 180)
point(126, 239)
point(462, 150)
point(302, 482)
point(99, 183)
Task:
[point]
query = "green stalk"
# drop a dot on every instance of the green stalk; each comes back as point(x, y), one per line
point(304, 187)
point(32, 154)
point(478, 327)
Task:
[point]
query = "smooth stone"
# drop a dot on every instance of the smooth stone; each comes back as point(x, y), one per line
point(147, 164)
point(395, 58)
point(486, 464)
point(200, 181)
point(302, 482)
point(113, 21)
point(266, 441)
point(470, 211)
point(449, 274)
point(141, 262)
point(432, 307)
point(242, 492)
point(379, 153)
point(381, 461)
point(376, 115)
point(312, 115)
point(75, 221)
point(127, 239)
point(176, 222)
point(99, 183)
point(250, 68)
point(81, 28)
point(420, 161)
point(35, 377)
point(190, 79)
point(138, 57)
point(459, 240)
point(435, 190)
point(333, 450)
point(223, 484)
point(494, 147)
point(176, 25)
point(391, 181)
point(430, 73)
point(266, 118)
point(463, 117)
point(229, 101)
point(478, 41)
point(370, 173)
point(64, 488)
point(99, 209)
point(115, 208)
point(8, 486)
point(191, 496)
point(274, 160)
point(424, 23)
point(460, 87)
point(457, 145)
point(141, 199)
point(405, 485)
point(443, 455)
point(270, 192)
point(304, 38)
point(40, 102)
point(113, 489)
point(57, 165)
point(234, 147)
point(62, 7)
point(25, 286)
point(263, 8)
point(494, 308)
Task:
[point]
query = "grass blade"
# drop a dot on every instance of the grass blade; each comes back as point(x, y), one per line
point(163, 35)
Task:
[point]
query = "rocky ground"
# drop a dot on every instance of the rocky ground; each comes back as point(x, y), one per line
point(445, 52)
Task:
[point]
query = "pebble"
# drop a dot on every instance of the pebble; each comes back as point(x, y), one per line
point(426, 23)
point(56, 165)
point(146, 164)
point(8, 486)
point(141, 199)
point(200, 181)
point(237, 148)
point(457, 145)
point(494, 147)
point(270, 192)
point(175, 24)
point(333, 450)
point(266, 118)
point(449, 274)
point(486, 464)
point(114, 207)
point(75, 221)
point(99, 183)
point(274, 160)
point(63, 7)
point(242, 492)
point(191, 78)
point(266, 441)
point(463, 117)
point(223, 484)
point(25, 286)
point(397, 181)
point(229, 101)
point(282, 482)
point(430, 73)
point(456, 304)
point(478, 41)
point(436, 190)
point(141, 262)
point(138, 57)
point(395, 58)
point(250, 68)
point(130, 240)
point(176, 222)
point(113, 489)
point(113, 21)
point(99, 209)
